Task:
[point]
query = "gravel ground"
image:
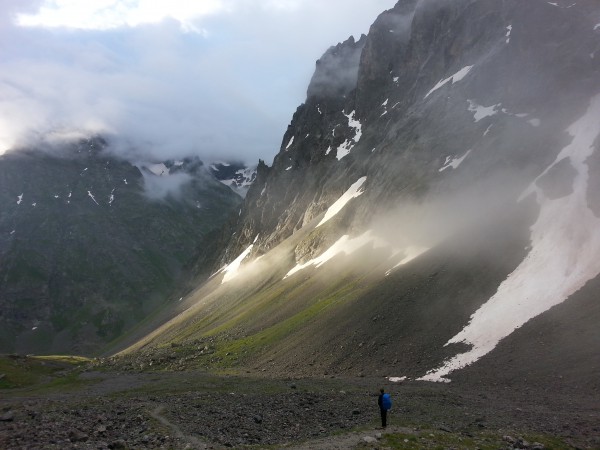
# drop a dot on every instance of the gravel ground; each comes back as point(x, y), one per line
point(181, 410)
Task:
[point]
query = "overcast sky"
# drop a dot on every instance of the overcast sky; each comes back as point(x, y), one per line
point(170, 78)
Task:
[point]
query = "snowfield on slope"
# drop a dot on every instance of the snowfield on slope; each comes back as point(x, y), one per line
point(453, 79)
point(344, 245)
point(565, 244)
point(352, 192)
point(232, 269)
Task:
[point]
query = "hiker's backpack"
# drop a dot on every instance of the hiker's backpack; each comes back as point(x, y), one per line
point(386, 401)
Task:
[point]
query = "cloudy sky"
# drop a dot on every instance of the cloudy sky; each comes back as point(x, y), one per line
point(218, 78)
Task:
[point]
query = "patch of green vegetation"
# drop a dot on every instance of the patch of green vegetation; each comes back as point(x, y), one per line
point(229, 353)
point(441, 440)
point(21, 371)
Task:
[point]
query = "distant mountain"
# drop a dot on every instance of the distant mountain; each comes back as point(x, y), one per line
point(91, 245)
point(236, 175)
point(432, 212)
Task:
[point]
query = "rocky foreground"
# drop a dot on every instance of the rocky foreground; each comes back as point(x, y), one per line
point(178, 410)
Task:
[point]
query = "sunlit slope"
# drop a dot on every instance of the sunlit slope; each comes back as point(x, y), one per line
point(346, 316)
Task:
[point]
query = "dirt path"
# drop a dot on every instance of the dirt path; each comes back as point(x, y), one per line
point(189, 441)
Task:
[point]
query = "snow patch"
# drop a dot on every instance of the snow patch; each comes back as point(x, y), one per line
point(349, 144)
point(454, 78)
point(352, 192)
point(508, 31)
point(485, 133)
point(396, 79)
point(159, 169)
point(344, 245)
point(112, 197)
point(454, 162)
point(397, 379)
point(19, 199)
point(385, 103)
point(290, 143)
point(481, 112)
point(232, 269)
point(535, 122)
point(289, 168)
point(597, 26)
point(565, 243)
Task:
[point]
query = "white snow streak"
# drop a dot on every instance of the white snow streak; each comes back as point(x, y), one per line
point(92, 197)
point(20, 199)
point(409, 253)
point(508, 31)
point(454, 162)
point(597, 26)
point(454, 78)
point(290, 143)
point(565, 244)
point(231, 270)
point(112, 197)
point(344, 245)
point(289, 168)
point(352, 192)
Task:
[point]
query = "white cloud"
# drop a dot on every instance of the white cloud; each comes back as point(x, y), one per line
point(107, 14)
point(130, 68)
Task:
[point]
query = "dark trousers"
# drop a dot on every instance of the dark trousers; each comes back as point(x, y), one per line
point(383, 417)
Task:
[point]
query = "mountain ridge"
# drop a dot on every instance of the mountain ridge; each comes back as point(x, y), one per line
point(449, 135)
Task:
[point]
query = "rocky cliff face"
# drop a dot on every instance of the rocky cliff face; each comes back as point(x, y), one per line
point(434, 191)
point(500, 81)
point(90, 245)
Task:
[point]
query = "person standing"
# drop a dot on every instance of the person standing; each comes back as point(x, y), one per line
point(385, 403)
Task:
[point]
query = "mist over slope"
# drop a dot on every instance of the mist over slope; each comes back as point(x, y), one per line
point(91, 245)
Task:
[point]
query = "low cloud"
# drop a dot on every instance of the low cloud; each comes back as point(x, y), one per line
point(222, 83)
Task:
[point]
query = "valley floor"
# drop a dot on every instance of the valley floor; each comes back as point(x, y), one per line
point(89, 409)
